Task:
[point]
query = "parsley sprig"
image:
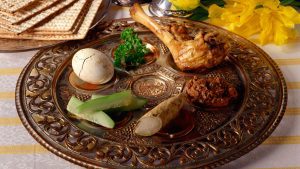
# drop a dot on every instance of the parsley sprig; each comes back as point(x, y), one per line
point(132, 51)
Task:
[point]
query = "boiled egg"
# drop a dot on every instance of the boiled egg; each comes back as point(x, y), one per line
point(92, 66)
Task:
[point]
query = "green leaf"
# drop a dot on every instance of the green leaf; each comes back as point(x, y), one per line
point(210, 2)
point(199, 14)
point(286, 2)
point(131, 51)
point(296, 3)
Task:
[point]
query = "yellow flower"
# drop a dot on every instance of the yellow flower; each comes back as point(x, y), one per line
point(273, 22)
point(233, 15)
point(185, 4)
point(277, 24)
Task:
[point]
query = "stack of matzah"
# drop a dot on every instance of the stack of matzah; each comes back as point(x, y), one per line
point(47, 19)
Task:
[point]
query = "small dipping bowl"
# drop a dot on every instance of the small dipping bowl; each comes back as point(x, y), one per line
point(81, 85)
point(182, 125)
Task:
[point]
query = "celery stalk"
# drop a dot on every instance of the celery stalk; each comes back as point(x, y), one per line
point(115, 100)
point(98, 117)
point(136, 103)
point(73, 104)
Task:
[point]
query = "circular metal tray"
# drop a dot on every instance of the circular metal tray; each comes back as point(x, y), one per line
point(216, 137)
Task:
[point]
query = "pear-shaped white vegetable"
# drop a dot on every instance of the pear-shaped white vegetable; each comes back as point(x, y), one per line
point(92, 66)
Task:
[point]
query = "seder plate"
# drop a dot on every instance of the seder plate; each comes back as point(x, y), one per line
point(208, 138)
point(19, 45)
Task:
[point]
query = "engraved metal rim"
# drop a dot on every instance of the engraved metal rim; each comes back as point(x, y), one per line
point(33, 132)
point(52, 43)
point(252, 143)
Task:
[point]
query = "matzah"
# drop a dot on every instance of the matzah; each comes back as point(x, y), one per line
point(80, 34)
point(25, 25)
point(12, 6)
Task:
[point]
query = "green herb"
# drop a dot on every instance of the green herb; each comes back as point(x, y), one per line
point(131, 51)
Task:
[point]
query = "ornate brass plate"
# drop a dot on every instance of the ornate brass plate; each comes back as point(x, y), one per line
point(18, 45)
point(209, 137)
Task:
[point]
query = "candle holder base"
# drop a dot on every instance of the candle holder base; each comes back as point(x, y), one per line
point(129, 2)
point(163, 8)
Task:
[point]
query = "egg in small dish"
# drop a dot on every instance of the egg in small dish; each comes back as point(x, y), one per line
point(92, 66)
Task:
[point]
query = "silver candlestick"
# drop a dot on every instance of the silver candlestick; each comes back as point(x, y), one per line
point(163, 8)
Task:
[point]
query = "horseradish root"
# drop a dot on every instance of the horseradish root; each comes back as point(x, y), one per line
point(160, 116)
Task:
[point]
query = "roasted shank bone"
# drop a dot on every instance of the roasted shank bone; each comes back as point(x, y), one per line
point(204, 51)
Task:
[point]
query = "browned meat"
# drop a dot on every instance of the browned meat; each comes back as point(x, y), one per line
point(210, 92)
point(179, 31)
point(204, 51)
